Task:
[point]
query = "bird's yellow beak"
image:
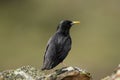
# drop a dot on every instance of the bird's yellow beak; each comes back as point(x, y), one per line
point(75, 22)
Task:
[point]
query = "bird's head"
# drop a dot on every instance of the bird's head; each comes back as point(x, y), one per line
point(66, 24)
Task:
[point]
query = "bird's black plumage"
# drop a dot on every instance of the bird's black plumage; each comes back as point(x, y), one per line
point(58, 46)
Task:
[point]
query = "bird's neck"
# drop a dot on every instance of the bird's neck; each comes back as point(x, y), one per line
point(64, 31)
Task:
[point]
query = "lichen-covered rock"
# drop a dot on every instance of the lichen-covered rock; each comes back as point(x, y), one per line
point(31, 73)
point(23, 73)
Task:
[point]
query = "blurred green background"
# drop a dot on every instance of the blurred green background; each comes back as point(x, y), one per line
point(26, 26)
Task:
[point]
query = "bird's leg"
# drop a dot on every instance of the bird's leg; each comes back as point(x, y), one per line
point(64, 65)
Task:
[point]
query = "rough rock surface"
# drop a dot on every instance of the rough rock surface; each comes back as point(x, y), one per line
point(31, 73)
point(115, 75)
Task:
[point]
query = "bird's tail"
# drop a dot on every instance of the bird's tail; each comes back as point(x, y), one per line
point(46, 67)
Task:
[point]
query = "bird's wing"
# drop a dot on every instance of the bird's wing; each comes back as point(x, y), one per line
point(56, 51)
point(61, 51)
point(65, 48)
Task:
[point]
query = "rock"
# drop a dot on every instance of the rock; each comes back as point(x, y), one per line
point(115, 75)
point(31, 73)
point(70, 73)
point(23, 73)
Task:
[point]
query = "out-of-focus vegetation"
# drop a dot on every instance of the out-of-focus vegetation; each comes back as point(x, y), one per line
point(26, 26)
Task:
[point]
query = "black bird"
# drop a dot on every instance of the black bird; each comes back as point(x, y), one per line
point(58, 45)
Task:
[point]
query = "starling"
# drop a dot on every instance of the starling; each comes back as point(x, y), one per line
point(58, 45)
